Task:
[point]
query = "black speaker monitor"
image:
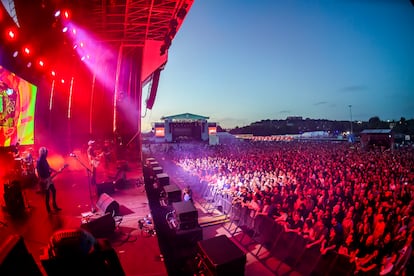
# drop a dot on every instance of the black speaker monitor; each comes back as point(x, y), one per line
point(107, 204)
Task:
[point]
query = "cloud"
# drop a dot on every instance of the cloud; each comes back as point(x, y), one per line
point(320, 103)
point(353, 88)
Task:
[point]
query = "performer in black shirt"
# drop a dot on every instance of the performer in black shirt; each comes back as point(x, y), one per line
point(44, 172)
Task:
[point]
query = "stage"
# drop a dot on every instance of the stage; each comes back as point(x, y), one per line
point(139, 249)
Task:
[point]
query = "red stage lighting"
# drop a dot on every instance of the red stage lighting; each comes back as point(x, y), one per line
point(66, 14)
point(65, 29)
point(53, 73)
point(62, 81)
point(57, 13)
point(11, 34)
point(29, 64)
point(41, 63)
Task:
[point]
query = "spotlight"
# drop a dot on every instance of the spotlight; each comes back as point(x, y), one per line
point(15, 54)
point(65, 29)
point(62, 81)
point(66, 14)
point(11, 34)
point(53, 73)
point(27, 50)
point(57, 13)
point(41, 63)
point(29, 64)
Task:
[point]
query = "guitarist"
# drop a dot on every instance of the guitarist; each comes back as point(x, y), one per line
point(44, 172)
point(93, 160)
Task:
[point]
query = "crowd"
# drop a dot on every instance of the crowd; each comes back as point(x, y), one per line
point(340, 197)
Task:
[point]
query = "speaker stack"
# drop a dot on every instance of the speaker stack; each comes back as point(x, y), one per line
point(173, 193)
point(163, 179)
point(157, 170)
point(13, 197)
point(220, 256)
point(186, 214)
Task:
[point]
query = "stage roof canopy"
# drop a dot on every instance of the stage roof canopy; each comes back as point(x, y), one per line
point(185, 116)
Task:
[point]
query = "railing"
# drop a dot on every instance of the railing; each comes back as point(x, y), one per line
point(282, 251)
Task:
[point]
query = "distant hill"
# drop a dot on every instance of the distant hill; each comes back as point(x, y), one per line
point(297, 125)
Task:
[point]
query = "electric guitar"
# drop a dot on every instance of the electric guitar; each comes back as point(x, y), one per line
point(45, 183)
point(95, 160)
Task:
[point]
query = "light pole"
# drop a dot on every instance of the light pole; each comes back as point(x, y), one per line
point(350, 113)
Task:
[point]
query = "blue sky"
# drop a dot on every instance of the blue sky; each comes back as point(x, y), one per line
point(241, 61)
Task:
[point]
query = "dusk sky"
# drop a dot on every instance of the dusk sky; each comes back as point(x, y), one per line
point(241, 61)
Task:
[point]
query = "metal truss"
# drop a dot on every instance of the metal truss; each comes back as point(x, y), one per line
point(132, 22)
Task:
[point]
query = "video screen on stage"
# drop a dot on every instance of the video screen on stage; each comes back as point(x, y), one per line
point(17, 109)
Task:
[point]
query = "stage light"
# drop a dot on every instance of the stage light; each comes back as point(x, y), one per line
point(62, 81)
point(74, 31)
point(81, 44)
point(65, 29)
point(53, 73)
point(41, 63)
point(57, 13)
point(83, 58)
point(11, 34)
point(29, 64)
point(27, 50)
point(15, 54)
point(75, 46)
point(66, 14)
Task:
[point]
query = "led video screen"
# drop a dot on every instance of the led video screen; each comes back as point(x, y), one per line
point(17, 109)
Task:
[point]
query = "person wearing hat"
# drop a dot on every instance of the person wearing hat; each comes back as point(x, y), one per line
point(44, 172)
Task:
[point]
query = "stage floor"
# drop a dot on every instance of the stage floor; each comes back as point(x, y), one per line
point(138, 251)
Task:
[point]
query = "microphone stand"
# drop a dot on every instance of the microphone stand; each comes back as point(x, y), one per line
point(89, 175)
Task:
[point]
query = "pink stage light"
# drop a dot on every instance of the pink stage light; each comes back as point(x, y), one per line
point(15, 54)
point(65, 29)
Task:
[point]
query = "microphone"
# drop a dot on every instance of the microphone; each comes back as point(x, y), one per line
point(72, 155)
